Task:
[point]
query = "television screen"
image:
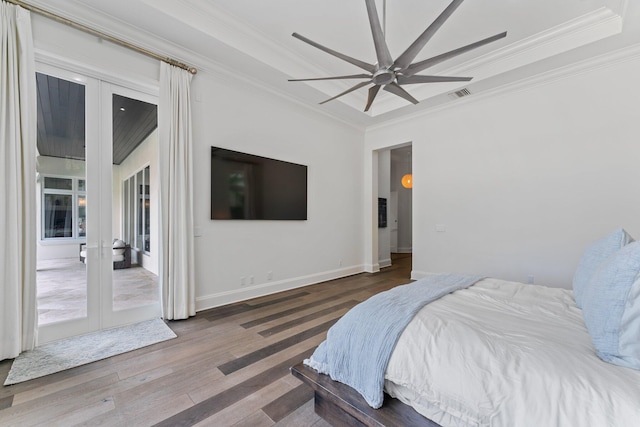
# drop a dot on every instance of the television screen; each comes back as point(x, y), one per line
point(244, 186)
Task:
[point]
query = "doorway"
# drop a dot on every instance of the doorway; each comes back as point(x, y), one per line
point(91, 136)
point(397, 236)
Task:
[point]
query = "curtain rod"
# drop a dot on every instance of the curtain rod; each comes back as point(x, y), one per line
point(102, 35)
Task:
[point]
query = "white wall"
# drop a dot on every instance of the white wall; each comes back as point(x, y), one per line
point(523, 181)
point(329, 244)
point(233, 114)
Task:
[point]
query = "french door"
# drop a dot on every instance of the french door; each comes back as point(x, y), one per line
point(92, 272)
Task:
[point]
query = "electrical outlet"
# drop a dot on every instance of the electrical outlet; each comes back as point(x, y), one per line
point(270, 275)
point(251, 280)
point(340, 263)
point(530, 279)
point(242, 281)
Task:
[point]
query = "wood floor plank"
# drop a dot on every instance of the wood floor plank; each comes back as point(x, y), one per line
point(182, 381)
point(49, 394)
point(169, 356)
point(257, 419)
point(6, 402)
point(248, 359)
point(304, 319)
point(303, 416)
point(313, 303)
point(233, 414)
point(226, 311)
point(214, 404)
point(246, 347)
point(40, 410)
point(83, 414)
point(289, 402)
point(205, 391)
point(144, 414)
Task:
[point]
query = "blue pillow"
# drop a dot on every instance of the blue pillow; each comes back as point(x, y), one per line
point(611, 308)
point(595, 253)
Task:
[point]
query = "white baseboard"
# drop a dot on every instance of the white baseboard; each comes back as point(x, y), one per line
point(263, 289)
point(372, 268)
point(384, 263)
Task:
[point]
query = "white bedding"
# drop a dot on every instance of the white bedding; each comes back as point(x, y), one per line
point(508, 354)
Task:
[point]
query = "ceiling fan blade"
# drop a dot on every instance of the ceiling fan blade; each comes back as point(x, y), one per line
point(422, 65)
point(356, 87)
point(397, 90)
point(382, 51)
point(353, 76)
point(402, 80)
point(412, 51)
point(365, 66)
point(373, 91)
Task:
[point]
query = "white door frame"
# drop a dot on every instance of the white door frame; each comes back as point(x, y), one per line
point(371, 264)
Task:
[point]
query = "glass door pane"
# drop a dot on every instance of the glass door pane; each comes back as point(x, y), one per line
point(62, 254)
point(135, 150)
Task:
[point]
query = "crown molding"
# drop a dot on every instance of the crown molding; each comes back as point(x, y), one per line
point(603, 61)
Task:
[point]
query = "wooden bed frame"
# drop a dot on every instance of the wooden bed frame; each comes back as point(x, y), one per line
point(340, 405)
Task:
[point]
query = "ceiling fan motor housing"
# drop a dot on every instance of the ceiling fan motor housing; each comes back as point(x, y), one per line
point(383, 76)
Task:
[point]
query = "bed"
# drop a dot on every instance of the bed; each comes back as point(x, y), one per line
point(501, 353)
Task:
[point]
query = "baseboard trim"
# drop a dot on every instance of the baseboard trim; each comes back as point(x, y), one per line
point(385, 263)
point(216, 300)
point(372, 268)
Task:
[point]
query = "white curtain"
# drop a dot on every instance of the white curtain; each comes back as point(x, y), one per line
point(18, 314)
point(176, 272)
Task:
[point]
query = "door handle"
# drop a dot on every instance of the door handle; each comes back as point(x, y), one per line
point(89, 250)
point(103, 249)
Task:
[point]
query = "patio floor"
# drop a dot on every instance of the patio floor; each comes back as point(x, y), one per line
point(62, 291)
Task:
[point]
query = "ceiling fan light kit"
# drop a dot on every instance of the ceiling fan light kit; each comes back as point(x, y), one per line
point(391, 75)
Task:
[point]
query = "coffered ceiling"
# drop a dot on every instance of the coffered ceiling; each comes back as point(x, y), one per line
point(251, 40)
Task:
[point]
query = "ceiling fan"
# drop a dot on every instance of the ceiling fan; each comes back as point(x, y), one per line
point(389, 74)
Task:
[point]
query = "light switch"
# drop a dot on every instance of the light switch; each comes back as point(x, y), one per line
point(440, 228)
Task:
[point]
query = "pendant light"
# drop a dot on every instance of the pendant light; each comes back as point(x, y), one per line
point(407, 181)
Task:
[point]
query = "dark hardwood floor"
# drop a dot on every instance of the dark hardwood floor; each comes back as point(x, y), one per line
point(229, 366)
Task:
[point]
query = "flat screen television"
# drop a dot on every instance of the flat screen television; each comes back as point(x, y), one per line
point(245, 186)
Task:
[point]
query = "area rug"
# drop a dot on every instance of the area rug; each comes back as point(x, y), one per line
point(71, 352)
